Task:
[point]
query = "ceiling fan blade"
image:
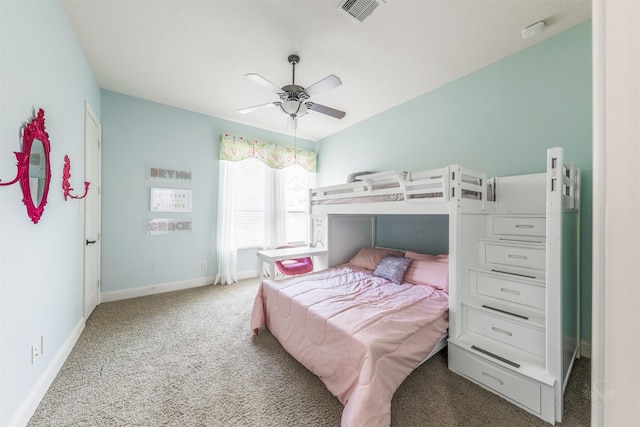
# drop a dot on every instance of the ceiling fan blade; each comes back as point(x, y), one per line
point(263, 82)
point(327, 83)
point(292, 123)
point(326, 110)
point(259, 107)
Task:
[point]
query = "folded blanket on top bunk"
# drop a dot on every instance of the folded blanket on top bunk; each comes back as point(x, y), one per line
point(361, 333)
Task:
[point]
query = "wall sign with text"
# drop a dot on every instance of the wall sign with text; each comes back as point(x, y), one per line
point(170, 200)
point(169, 174)
point(158, 226)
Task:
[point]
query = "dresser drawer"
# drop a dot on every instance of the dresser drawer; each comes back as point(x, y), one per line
point(519, 226)
point(516, 256)
point(514, 291)
point(498, 379)
point(514, 334)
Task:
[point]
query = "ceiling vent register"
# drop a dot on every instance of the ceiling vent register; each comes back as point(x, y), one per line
point(359, 9)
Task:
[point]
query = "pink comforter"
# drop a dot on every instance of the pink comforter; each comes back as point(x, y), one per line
point(361, 335)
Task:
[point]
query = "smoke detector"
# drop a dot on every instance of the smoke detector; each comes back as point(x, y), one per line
point(533, 30)
point(359, 10)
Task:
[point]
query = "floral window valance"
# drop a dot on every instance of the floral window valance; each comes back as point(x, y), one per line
point(236, 148)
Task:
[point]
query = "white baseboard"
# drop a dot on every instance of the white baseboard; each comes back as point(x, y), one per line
point(30, 404)
point(241, 275)
point(155, 289)
point(585, 349)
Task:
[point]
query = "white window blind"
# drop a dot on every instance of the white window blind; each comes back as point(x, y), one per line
point(249, 213)
point(249, 218)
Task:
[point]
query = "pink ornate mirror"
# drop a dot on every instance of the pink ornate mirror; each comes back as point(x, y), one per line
point(36, 177)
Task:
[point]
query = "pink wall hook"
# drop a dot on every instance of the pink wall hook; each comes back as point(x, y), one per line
point(66, 186)
point(23, 161)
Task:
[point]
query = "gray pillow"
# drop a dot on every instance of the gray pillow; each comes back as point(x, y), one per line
point(392, 268)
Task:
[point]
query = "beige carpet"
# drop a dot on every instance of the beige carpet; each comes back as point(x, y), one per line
point(188, 358)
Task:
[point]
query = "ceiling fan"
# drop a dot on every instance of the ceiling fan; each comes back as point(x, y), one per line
point(294, 98)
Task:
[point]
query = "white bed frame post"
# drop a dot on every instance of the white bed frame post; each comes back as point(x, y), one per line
point(455, 245)
point(563, 290)
point(554, 271)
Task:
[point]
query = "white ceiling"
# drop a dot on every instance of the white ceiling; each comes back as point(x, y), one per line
point(194, 54)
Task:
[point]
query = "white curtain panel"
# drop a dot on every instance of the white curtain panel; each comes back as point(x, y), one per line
point(275, 232)
point(278, 208)
point(226, 245)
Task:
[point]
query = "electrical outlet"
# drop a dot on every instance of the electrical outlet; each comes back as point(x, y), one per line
point(204, 265)
point(36, 351)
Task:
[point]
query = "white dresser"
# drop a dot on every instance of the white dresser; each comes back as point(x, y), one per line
point(515, 325)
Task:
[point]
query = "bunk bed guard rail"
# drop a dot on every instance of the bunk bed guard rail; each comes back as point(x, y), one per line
point(565, 177)
point(436, 185)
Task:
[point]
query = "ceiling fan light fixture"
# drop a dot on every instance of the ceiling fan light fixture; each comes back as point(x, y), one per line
point(293, 98)
point(294, 108)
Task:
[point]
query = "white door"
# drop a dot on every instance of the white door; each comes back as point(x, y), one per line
point(92, 132)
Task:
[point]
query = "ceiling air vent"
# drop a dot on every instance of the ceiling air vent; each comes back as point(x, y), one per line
point(359, 9)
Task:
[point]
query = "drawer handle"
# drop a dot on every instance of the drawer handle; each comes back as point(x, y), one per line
point(501, 331)
point(519, 240)
point(510, 291)
point(498, 380)
point(524, 226)
point(495, 356)
point(513, 274)
point(505, 312)
point(517, 256)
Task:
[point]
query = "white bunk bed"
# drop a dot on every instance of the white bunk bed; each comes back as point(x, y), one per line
point(531, 366)
point(396, 192)
point(364, 324)
point(343, 216)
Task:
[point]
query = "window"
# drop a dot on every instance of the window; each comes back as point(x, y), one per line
point(248, 186)
point(261, 202)
point(297, 197)
point(256, 198)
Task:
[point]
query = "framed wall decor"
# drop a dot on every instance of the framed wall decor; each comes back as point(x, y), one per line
point(170, 200)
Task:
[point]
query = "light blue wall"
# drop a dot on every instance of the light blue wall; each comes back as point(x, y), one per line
point(136, 134)
point(41, 283)
point(500, 119)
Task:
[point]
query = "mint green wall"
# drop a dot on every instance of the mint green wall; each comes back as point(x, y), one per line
point(41, 279)
point(500, 119)
point(136, 134)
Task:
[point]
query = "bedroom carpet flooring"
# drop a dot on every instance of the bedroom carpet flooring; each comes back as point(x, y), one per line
point(189, 358)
